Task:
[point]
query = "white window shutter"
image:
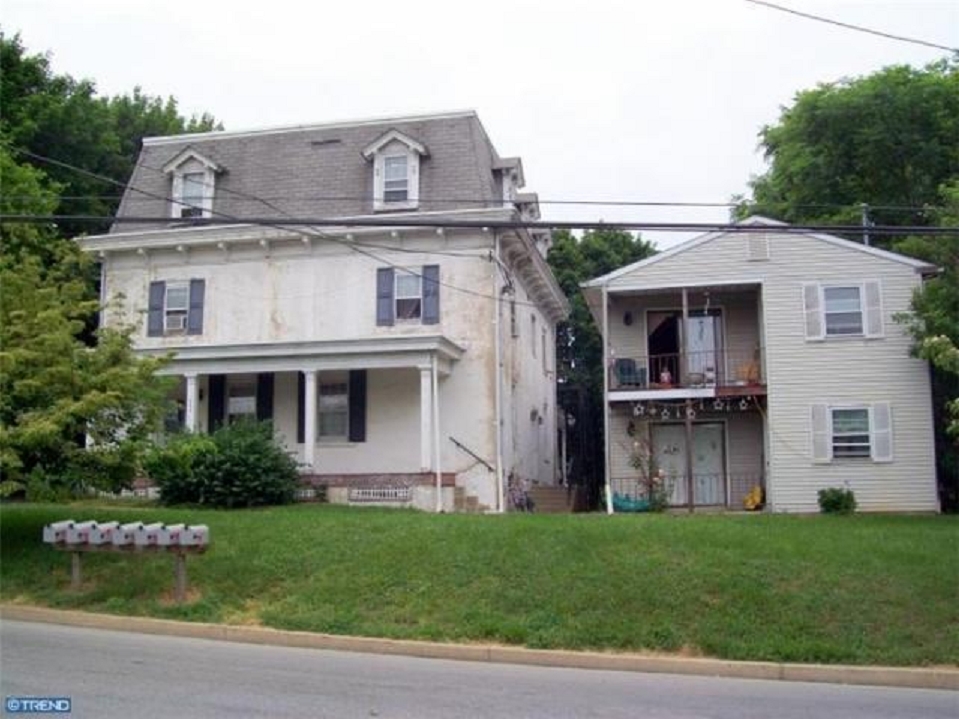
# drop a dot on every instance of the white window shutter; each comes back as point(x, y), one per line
point(812, 307)
point(821, 432)
point(872, 309)
point(880, 426)
point(413, 178)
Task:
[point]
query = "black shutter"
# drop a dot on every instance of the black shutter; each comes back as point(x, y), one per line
point(357, 405)
point(384, 296)
point(217, 406)
point(264, 396)
point(431, 294)
point(300, 407)
point(155, 314)
point(194, 320)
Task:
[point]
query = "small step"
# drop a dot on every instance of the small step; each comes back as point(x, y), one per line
point(551, 500)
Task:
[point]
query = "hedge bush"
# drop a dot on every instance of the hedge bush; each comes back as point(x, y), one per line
point(239, 465)
point(837, 501)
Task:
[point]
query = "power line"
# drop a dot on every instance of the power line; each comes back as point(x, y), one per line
point(291, 223)
point(499, 203)
point(857, 28)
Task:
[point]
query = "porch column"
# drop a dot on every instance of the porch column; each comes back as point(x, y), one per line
point(607, 470)
point(192, 401)
point(309, 418)
point(426, 412)
point(683, 372)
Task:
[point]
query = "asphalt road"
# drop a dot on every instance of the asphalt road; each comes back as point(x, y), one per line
point(118, 674)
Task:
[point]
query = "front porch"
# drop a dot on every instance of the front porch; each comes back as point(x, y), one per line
point(707, 454)
point(362, 418)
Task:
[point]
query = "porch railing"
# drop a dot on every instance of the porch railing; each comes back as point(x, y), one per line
point(710, 368)
point(709, 490)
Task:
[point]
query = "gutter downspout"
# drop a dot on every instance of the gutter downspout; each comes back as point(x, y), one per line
point(606, 469)
point(498, 341)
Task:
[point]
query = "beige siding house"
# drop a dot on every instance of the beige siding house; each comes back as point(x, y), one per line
point(402, 350)
point(766, 358)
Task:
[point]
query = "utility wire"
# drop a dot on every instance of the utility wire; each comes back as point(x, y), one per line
point(498, 203)
point(291, 223)
point(857, 28)
point(229, 219)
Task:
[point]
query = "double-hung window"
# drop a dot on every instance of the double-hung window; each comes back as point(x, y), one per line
point(409, 296)
point(193, 194)
point(176, 307)
point(334, 411)
point(395, 179)
point(850, 433)
point(842, 310)
point(240, 398)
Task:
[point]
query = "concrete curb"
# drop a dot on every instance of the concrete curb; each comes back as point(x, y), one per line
point(939, 678)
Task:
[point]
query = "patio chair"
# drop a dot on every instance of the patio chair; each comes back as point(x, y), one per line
point(628, 374)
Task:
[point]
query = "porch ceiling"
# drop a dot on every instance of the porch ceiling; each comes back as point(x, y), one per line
point(370, 353)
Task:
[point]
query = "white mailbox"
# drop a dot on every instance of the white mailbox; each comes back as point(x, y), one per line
point(79, 532)
point(197, 535)
point(103, 533)
point(170, 535)
point(147, 535)
point(57, 531)
point(125, 533)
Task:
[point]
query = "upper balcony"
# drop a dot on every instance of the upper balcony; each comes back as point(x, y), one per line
point(704, 373)
point(675, 343)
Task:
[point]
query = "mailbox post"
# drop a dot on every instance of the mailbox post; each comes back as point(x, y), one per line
point(134, 538)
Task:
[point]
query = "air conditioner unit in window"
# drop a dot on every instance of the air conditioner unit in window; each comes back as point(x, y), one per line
point(189, 212)
point(175, 323)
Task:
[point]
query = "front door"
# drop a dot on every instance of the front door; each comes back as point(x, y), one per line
point(709, 476)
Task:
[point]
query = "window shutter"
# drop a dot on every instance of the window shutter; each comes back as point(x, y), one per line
point(821, 432)
point(155, 309)
point(194, 320)
point(872, 309)
point(431, 294)
point(176, 194)
point(264, 396)
point(812, 306)
point(217, 405)
point(880, 426)
point(300, 408)
point(384, 296)
point(357, 405)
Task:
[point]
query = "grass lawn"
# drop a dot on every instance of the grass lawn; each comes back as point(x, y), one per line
point(861, 589)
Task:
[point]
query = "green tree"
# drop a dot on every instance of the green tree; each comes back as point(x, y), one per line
point(55, 390)
point(578, 343)
point(63, 118)
point(889, 139)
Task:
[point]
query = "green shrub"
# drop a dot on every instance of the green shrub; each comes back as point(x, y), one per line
point(240, 465)
point(837, 501)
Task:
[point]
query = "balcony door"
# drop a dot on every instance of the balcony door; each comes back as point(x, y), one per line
point(703, 357)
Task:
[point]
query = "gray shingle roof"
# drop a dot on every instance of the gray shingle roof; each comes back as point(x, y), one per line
point(319, 171)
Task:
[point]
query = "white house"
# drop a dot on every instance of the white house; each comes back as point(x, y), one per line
point(766, 358)
point(393, 360)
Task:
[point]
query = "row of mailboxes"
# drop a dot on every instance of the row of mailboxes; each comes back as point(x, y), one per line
point(135, 534)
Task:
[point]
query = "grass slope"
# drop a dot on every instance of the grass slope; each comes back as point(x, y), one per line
point(862, 589)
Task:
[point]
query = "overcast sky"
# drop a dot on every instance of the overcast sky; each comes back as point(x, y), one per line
point(603, 100)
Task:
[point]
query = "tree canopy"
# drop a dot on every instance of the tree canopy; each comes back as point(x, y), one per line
point(890, 139)
point(76, 404)
point(57, 116)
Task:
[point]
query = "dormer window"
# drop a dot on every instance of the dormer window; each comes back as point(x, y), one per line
point(192, 184)
point(396, 171)
point(396, 180)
